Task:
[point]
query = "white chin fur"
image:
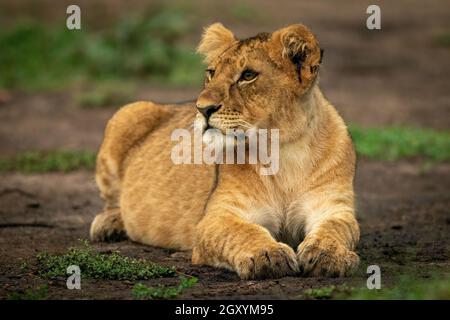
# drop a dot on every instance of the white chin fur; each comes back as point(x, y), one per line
point(200, 123)
point(213, 136)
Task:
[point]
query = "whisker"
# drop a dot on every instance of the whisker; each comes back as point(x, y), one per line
point(245, 124)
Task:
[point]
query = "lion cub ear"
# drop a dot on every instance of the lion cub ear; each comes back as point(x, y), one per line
point(299, 45)
point(215, 39)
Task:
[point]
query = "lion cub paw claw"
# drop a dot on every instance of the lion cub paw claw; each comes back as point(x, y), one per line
point(326, 258)
point(272, 262)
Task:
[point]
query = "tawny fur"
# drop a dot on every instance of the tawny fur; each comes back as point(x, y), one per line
point(300, 219)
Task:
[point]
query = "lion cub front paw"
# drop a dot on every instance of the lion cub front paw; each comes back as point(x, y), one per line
point(273, 261)
point(325, 258)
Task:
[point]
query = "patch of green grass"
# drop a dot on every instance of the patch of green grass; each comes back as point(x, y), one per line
point(100, 266)
point(320, 293)
point(326, 292)
point(40, 161)
point(395, 143)
point(442, 39)
point(141, 291)
point(145, 48)
point(39, 293)
point(407, 288)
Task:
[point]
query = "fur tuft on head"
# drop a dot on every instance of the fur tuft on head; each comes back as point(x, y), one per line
point(215, 40)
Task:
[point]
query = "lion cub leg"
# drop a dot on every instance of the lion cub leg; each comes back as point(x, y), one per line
point(125, 129)
point(108, 226)
point(225, 240)
point(331, 236)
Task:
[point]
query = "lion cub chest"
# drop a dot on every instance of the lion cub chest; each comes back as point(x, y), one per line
point(276, 202)
point(284, 222)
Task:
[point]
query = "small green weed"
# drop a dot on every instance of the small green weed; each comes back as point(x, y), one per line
point(39, 293)
point(24, 266)
point(326, 292)
point(141, 291)
point(320, 293)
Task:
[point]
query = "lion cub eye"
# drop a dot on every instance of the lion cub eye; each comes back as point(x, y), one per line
point(209, 74)
point(248, 75)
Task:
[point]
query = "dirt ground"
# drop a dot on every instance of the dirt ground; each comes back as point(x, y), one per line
point(393, 76)
point(403, 214)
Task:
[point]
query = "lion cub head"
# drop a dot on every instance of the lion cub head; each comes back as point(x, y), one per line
point(257, 82)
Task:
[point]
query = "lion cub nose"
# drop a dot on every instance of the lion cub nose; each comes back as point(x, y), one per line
point(207, 111)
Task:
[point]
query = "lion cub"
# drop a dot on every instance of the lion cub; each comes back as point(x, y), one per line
point(300, 219)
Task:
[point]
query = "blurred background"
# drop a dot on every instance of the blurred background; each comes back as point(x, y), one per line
point(58, 88)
